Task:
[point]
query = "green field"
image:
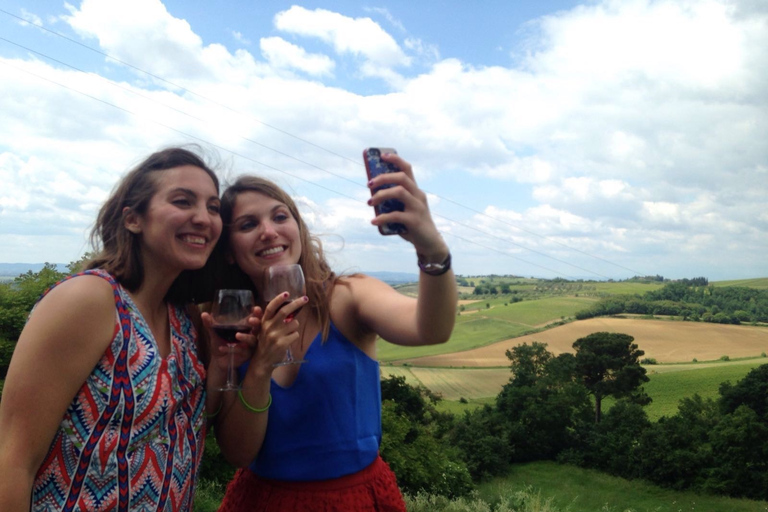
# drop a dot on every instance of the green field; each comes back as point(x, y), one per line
point(668, 383)
point(572, 489)
point(489, 325)
point(759, 283)
point(536, 313)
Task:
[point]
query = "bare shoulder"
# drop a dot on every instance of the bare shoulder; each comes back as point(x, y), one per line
point(83, 296)
point(77, 314)
point(361, 284)
point(347, 303)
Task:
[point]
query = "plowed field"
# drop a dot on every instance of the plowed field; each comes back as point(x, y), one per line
point(665, 341)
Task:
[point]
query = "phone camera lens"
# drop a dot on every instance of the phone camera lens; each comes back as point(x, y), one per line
point(375, 152)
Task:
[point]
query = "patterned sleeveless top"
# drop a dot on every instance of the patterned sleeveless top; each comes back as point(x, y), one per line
point(132, 438)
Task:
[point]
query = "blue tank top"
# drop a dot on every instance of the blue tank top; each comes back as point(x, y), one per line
point(328, 423)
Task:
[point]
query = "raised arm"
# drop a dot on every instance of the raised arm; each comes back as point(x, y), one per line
point(63, 340)
point(396, 318)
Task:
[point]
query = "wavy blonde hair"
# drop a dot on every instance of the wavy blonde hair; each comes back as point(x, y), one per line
point(320, 279)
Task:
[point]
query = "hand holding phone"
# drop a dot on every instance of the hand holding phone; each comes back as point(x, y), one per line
point(374, 166)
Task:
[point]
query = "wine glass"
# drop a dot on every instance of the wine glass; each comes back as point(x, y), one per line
point(280, 279)
point(229, 314)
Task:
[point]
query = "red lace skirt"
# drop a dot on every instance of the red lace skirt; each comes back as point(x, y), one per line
point(374, 489)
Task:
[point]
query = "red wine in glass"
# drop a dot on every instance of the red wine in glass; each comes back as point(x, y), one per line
point(227, 332)
point(230, 312)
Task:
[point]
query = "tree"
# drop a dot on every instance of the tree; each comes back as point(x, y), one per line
point(483, 437)
point(17, 299)
point(414, 441)
point(542, 405)
point(738, 443)
point(608, 364)
point(528, 363)
point(751, 391)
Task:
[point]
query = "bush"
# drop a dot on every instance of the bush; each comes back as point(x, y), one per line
point(413, 441)
point(526, 500)
point(421, 462)
point(6, 351)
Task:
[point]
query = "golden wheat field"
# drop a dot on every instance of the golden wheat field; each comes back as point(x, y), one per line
point(483, 371)
point(666, 341)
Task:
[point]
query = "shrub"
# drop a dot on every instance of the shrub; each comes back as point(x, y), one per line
point(6, 351)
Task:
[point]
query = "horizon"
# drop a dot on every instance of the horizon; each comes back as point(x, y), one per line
point(383, 273)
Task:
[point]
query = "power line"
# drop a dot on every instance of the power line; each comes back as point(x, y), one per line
point(283, 153)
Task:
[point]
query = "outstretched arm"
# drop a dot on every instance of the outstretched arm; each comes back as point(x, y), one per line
point(396, 318)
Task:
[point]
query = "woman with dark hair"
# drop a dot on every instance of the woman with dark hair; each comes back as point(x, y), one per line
point(103, 405)
point(307, 436)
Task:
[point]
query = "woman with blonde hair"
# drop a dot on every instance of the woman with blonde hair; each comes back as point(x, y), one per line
point(307, 436)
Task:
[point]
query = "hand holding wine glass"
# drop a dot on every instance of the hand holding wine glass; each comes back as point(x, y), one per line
point(279, 280)
point(229, 315)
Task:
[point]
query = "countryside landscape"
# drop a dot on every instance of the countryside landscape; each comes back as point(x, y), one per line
point(473, 364)
point(689, 351)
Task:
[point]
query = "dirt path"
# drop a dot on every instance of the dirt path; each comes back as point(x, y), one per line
point(665, 341)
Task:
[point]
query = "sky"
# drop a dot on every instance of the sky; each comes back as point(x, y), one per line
point(558, 139)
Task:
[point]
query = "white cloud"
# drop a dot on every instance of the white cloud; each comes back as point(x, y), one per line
point(145, 35)
point(361, 37)
point(239, 37)
point(30, 17)
point(282, 54)
point(388, 16)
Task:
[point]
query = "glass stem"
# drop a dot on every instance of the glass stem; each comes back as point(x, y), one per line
point(231, 367)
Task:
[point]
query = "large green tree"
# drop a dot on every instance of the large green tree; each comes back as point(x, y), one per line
point(608, 364)
point(541, 404)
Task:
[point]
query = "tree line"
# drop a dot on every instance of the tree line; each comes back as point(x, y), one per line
point(691, 301)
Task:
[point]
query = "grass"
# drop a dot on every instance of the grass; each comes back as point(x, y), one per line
point(470, 332)
point(622, 288)
point(489, 325)
point(538, 312)
point(759, 283)
point(578, 490)
point(672, 383)
point(457, 383)
point(208, 496)
point(668, 384)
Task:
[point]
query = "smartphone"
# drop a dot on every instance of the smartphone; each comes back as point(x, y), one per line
point(375, 166)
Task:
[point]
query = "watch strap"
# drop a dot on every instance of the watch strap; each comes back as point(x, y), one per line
point(436, 269)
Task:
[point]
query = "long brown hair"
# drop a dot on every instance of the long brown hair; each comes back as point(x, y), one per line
point(118, 251)
point(319, 277)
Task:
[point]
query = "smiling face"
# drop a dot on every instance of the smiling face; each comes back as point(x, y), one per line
point(263, 233)
point(182, 224)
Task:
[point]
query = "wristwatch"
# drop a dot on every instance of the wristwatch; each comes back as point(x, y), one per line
point(436, 269)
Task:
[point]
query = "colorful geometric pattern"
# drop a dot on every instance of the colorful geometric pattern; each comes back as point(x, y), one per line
point(132, 438)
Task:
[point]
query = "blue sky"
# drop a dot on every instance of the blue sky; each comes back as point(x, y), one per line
point(599, 139)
